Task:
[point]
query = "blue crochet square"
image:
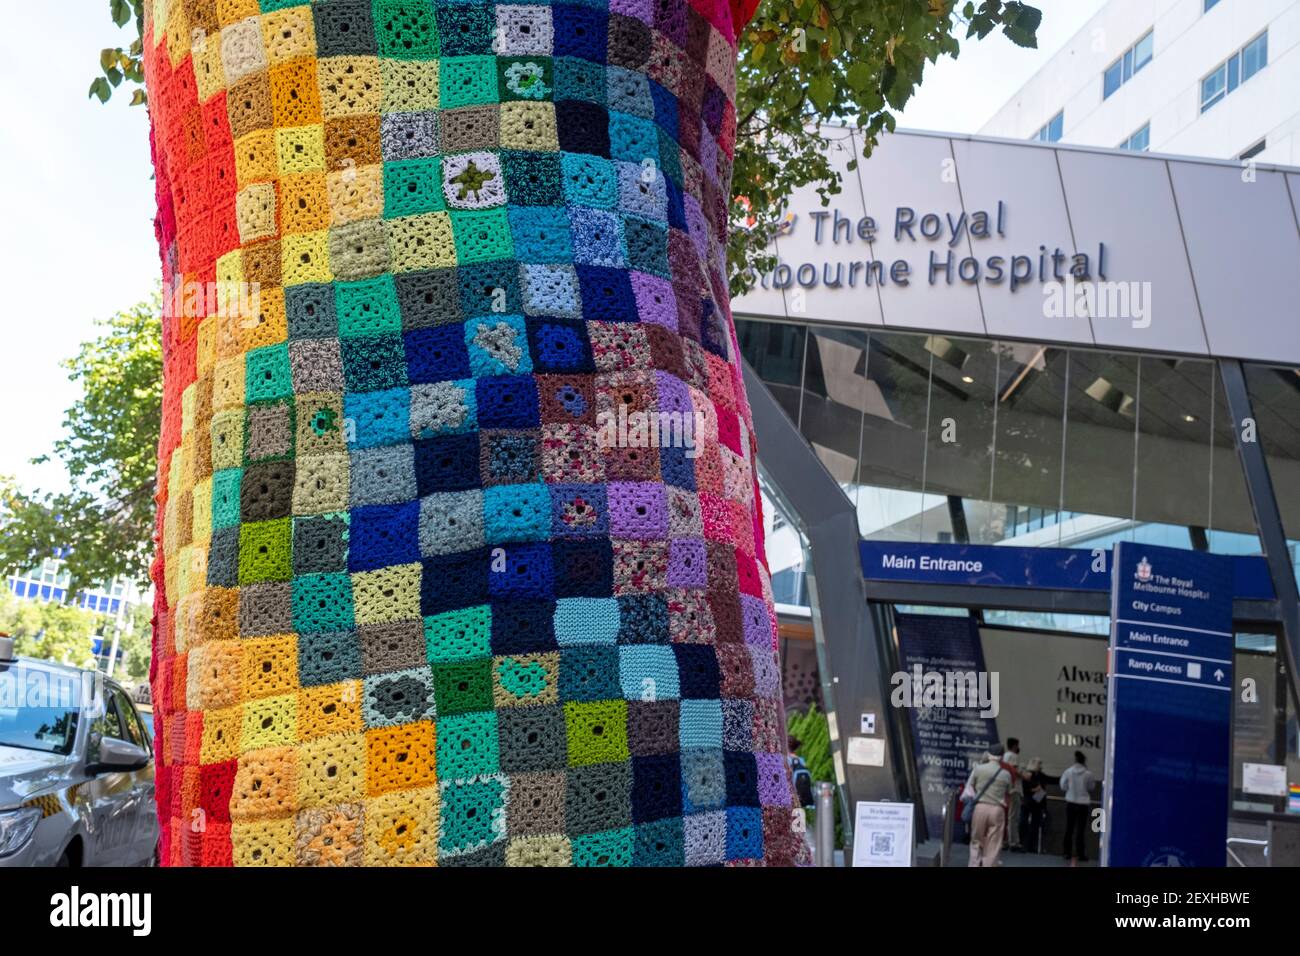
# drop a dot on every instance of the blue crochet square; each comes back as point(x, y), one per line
point(597, 237)
point(744, 833)
point(584, 567)
point(541, 234)
point(579, 511)
point(523, 627)
point(498, 345)
point(383, 535)
point(632, 137)
point(660, 843)
point(526, 573)
point(328, 657)
point(507, 402)
point(589, 180)
point(373, 362)
point(676, 468)
point(628, 92)
point(489, 288)
point(586, 621)
point(560, 346)
point(589, 673)
point(700, 723)
point(642, 619)
point(648, 672)
point(550, 290)
point(447, 463)
point(377, 418)
point(606, 294)
point(656, 787)
point(437, 354)
point(580, 31)
point(742, 778)
point(665, 104)
point(582, 127)
point(449, 582)
point(578, 79)
point(676, 205)
point(697, 667)
point(516, 513)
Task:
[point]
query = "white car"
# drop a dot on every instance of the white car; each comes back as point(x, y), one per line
point(76, 769)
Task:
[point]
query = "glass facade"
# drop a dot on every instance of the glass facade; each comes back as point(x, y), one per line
point(947, 439)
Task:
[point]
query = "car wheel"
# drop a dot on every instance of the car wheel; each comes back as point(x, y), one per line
point(65, 860)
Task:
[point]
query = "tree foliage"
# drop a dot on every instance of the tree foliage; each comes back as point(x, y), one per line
point(52, 632)
point(118, 65)
point(103, 525)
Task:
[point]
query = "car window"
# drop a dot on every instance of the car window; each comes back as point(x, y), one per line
point(131, 720)
point(106, 724)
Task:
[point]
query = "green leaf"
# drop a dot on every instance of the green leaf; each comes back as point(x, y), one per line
point(99, 87)
point(121, 11)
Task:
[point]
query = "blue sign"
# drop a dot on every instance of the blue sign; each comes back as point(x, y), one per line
point(1060, 569)
point(1169, 720)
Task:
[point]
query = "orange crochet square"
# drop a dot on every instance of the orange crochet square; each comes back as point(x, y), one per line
point(330, 709)
point(400, 758)
point(265, 785)
point(218, 615)
point(295, 99)
point(303, 205)
point(270, 666)
point(214, 675)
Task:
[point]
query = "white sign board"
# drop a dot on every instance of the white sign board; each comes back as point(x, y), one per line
point(1264, 778)
point(882, 834)
point(867, 751)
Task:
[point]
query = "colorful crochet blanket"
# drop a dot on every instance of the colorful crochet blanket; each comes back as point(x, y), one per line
point(460, 550)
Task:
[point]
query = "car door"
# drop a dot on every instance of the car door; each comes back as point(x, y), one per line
point(112, 794)
point(145, 815)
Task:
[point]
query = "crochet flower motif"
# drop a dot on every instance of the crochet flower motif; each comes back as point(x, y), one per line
point(525, 79)
point(578, 513)
point(572, 400)
point(499, 341)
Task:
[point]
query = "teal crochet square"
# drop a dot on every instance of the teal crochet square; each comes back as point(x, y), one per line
point(467, 745)
point(610, 848)
point(589, 180)
point(266, 373)
point(516, 513)
point(472, 813)
point(467, 81)
point(585, 620)
point(322, 602)
point(413, 186)
point(225, 497)
point(367, 307)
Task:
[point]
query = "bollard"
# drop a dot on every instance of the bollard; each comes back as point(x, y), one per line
point(825, 824)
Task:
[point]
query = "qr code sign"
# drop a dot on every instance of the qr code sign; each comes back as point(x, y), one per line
point(882, 844)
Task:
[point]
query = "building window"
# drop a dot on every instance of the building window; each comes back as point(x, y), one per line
point(1123, 69)
point(1051, 131)
point(1255, 150)
point(1210, 5)
point(1234, 71)
point(1140, 141)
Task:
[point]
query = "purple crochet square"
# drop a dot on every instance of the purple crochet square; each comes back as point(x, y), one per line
point(655, 301)
point(709, 154)
point(641, 9)
point(674, 395)
point(697, 225)
point(773, 791)
point(687, 565)
point(637, 510)
point(758, 624)
point(767, 676)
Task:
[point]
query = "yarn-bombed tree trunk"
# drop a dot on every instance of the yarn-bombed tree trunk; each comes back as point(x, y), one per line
point(461, 554)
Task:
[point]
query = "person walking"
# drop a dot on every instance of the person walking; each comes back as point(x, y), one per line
point(1076, 785)
point(1033, 805)
point(1012, 760)
point(991, 781)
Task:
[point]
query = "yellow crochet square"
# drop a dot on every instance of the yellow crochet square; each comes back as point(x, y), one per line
point(332, 770)
point(301, 149)
point(232, 11)
point(209, 75)
point(402, 828)
point(330, 836)
point(255, 211)
point(288, 34)
point(410, 86)
point(329, 709)
point(265, 784)
point(529, 125)
point(355, 193)
point(305, 258)
point(317, 412)
point(349, 85)
point(202, 526)
point(270, 666)
point(178, 33)
point(268, 325)
point(222, 730)
point(228, 384)
point(302, 203)
point(321, 484)
point(269, 722)
point(255, 157)
point(550, 850)
point(421, 242)
point(206, 345)
point(263, 843)
point(228, 439)
point(387, 595)
point(187, 409)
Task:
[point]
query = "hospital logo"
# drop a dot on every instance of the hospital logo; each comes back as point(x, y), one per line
point(1143, 572)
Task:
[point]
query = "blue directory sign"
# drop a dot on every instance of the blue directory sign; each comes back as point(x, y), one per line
point(1169, 743)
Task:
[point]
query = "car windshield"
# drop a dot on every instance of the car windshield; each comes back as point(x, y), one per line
point(39, 708)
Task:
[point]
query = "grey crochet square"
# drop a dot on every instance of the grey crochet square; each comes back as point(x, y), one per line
point(531, 738)
point(598, 797)
point(223, 558)
point(409, 135)
point(440, 409)
point(738, 724)
point(270, 432)
point(359, 250)
point(310, 310)
point(399, 697)
point(320, 544)
point(628, 92)
point(451, 521)
point(705, 836)
point(265, 609)
point(383, 476)
point(536, 803)
point(316, 365)
point(427, 298)
point(470, 127)
point(704, 777)
point(392, 647)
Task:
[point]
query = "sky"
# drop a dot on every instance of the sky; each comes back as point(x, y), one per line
point(79, 205)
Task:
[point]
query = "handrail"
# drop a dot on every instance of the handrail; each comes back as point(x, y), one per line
point(949, 811)
point(1245, 841)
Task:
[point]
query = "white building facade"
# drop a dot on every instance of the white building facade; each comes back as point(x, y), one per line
point(1214, 78)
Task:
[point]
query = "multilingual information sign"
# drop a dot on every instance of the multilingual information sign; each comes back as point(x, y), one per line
point(1169, 744)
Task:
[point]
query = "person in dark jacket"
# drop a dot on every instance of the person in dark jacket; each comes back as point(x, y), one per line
point(1033, 805)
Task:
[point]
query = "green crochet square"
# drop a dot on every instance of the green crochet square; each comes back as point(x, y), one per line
point(459, 635)
point(265, 551)
point(463, 687)
point(367, 307)
point(467, 81)
point(322, 602)
point(610, 848)
point(482, 235)
point(266, 374)
point(269, 5)
point(413, 186)
point(225, 497)
point(597, 732)
point(467, 744)
point(406, 29)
